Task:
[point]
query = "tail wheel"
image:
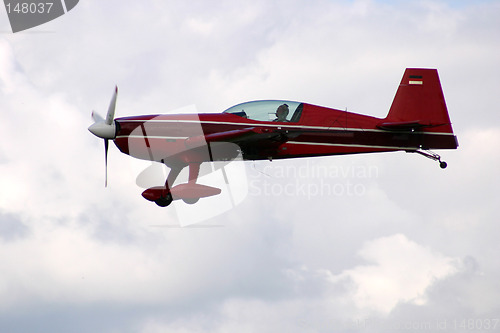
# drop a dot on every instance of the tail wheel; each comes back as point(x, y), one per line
point(432, 156)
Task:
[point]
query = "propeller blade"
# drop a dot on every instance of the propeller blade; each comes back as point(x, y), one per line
point(111, 109)
point(105, 129)
point(106, 146)
point(97, 117)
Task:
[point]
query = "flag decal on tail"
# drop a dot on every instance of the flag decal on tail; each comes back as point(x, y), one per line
point(416, 79)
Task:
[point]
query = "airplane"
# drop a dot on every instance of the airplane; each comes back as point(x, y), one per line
point(417, 121)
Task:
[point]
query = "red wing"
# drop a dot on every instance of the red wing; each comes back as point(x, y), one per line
point(240, 136)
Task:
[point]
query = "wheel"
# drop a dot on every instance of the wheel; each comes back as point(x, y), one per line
point(443, 165)
point(164, 202)
point(191, 200)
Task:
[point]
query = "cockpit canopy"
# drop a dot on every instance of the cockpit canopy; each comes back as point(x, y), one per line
point(268, 110)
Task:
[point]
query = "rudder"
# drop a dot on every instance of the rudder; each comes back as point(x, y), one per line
point(420, 100)
point(419, 107)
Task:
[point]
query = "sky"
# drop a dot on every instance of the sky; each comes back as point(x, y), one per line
point(362, 243)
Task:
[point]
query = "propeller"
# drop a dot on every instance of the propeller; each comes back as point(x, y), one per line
point(105, 129)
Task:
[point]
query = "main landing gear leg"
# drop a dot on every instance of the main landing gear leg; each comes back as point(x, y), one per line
point(194, 171)
point(432, 156)
point(166, 198)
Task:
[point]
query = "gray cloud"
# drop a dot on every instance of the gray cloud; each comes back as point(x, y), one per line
point(12, 228)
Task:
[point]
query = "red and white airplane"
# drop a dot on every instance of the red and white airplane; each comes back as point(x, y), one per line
point(417, 121)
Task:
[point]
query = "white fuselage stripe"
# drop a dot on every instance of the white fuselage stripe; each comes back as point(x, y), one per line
point(349, 145)
point(288, 142)
point(281, 126)
point(152, 137)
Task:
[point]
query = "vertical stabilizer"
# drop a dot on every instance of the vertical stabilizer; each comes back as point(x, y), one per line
point(420, 100)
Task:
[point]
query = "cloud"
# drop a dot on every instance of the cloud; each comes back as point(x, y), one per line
point(12, 228)
point(399, 270)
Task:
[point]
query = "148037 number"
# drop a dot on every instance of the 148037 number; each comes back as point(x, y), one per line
point(31, 8)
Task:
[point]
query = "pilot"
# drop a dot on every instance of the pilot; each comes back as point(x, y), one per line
point(282, 113)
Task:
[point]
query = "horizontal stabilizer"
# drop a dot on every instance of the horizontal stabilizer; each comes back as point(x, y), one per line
point(405, 125)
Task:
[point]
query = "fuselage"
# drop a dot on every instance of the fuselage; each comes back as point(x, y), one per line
point(311, 131)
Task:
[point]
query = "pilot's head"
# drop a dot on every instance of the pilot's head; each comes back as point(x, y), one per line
point(282, 112)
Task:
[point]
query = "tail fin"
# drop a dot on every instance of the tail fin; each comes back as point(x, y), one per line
point(419, 105)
